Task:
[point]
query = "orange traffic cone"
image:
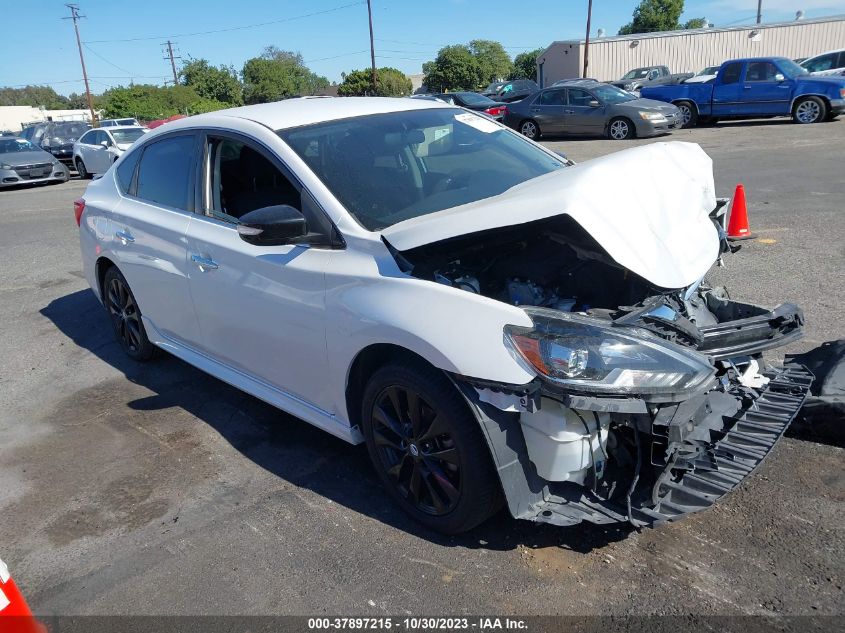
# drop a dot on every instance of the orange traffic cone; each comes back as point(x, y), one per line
point(738, 228)
point(15, 616)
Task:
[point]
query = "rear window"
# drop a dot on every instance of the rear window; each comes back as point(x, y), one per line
point(164, 175)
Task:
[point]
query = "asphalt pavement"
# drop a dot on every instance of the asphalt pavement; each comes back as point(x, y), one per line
point(156, 489)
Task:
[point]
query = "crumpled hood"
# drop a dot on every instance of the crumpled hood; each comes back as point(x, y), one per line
point(648, 207)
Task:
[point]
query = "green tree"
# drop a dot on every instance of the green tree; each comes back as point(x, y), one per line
point(278, 74)
point(390, 82)
point(219, 84)
point(455, 68)
point(695, 23)
point(494, 63)
point(149, 102)
point(35, 96)
point(654, 15)
point(525, 65)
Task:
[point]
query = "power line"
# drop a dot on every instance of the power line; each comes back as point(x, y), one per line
point(233, 28)
point(95, 53)
point(322, 59)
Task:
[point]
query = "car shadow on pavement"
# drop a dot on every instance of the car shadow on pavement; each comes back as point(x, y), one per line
point(288, 447)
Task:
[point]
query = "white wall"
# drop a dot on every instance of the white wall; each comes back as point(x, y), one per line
point(14, 117)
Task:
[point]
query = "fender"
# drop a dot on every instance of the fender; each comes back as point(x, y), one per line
point(372, 301)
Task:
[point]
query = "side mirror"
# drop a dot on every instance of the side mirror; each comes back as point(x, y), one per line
point(272, 226)
point(593, 103)
point(779, 77)
point(104, 143)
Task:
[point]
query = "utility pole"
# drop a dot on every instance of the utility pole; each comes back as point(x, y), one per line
point(169, 54)
point(74, 15)
point(372, 46)
point(759, 11)
point(587, 39)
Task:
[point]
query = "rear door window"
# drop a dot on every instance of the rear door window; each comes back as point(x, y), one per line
point(553, 97)
point(165, 175)
point(126, 170)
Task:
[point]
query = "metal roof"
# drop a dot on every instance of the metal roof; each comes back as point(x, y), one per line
point(684, 32)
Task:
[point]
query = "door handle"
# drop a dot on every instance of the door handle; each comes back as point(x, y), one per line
point(204, 263)
point(125, 237)
point(535, 110)
point(569, 111)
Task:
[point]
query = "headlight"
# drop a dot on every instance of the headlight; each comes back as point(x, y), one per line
point(655, 117)
point(5, 166)
point(583, 355)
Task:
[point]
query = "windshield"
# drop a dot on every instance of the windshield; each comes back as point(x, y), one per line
point(790, 68)
point(611, 94)
point(12, 145)
point(495, 86)
point(637, 73)
point(386, 168)
point(127, 136)
point(473, 98)
point(710, 70)
point(68, 130)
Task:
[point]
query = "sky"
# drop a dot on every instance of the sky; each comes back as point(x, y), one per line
point(123, 40)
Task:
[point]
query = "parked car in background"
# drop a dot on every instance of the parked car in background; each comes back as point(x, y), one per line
point(830, 63)
point(756, 87)
point(56, 137)
point(498, 327)
point(118, 122)
point(473, 101)
point(703, 76)
point(593, 109)
point(510, 91)
point(635, 79)
point(22, 163)
point(97, 149)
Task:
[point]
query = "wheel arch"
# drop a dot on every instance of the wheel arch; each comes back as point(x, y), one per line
point(823, 97)
point(365, 364)
point(100, 268)
point(675, 102)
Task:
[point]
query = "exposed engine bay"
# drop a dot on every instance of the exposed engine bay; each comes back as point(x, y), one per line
point(556, 264)
point(608, 456)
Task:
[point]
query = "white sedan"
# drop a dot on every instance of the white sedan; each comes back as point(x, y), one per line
point(96, 150)
point(500, 326)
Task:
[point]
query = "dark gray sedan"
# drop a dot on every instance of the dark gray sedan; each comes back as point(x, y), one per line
point(593, 109)
point(21, 163)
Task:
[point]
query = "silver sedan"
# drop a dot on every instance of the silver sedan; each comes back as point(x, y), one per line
point(587, 107)
point(21, 163)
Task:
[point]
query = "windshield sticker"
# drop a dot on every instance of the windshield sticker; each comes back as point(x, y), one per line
point(478, 122)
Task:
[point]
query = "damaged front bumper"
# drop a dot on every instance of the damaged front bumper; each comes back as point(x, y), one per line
point(681, 458)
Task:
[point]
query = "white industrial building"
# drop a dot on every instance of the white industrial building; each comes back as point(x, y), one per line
point(689, 50)
point(13, 118)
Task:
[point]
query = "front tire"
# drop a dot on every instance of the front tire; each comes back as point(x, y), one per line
point(81, 170)
point(809, 110)
point(428, 449)
point(530, 129)
point(620, 129)
point(689, 114)
point(126, 317)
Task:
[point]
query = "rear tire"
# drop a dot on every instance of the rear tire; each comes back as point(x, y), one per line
point(428, 448)
point(530, 129)
point(809, 110)
point(125, 317)
point(81, 170)
point(621, 129)
point(689, 113)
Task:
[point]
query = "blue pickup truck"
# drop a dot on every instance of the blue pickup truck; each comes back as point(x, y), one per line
point(753, 88)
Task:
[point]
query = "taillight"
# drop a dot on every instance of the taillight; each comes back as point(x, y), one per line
point(78, 208)
point(497, 110)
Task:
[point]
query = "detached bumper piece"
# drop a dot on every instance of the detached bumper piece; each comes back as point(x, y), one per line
point(706, 447)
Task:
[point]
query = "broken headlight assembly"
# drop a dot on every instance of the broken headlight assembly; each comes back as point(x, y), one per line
point(586, 356)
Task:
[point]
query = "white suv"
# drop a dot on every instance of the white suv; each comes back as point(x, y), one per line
point(499, 326)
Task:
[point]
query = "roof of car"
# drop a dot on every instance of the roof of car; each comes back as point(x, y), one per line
point(304, 111)
point(112, 128)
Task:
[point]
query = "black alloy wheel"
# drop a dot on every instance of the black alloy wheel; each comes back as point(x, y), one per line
point(126, 317)
point(428, 448)
point(417, 450)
